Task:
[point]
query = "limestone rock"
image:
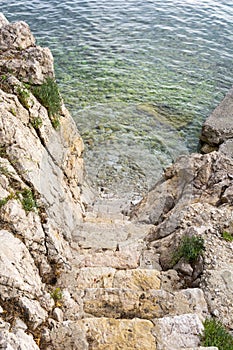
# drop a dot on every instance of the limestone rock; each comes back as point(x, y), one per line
point(191, 300)
point(227, 148)
point(16, 339)
point(19, 275)
point(58, 314)
point(218, 286)
point(97, 277)
point(170, 281)
point(37, 160)
point(219, 126)
point(127, 259)
point(107, 333)
point(15, 36)
point(70, 335)
point(72, 305)
point(128, 303)
point(33, 64)
point(20, 55)
point(139, 279)
point(178, 332)
point(3, 20)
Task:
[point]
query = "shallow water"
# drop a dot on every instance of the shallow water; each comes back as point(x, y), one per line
point(138, 76)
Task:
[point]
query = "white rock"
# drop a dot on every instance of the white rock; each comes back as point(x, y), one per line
point(16, 340)
point(35, 313)
point(58, 314)
point(18, 274)
point(178, 332)
point(3, 20)
point(19, 324)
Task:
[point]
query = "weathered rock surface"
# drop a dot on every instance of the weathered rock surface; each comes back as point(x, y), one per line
point(41, 178)
point(219, 125)
point(16, 339)
point(178, 332)
point(77, 273)
point(202, 205)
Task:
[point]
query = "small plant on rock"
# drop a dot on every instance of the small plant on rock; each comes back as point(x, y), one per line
point(27, 199)
point(36, 122)
point(56, 294)
point(215, 334)
point(190, 248)
point(23, 96)
point(227, 236)
point(49, 96)
point(3, 201)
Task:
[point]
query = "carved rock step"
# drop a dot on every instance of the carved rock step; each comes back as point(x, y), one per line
point(108, 235)
point(135, 334)
point(107, 209)
point(108, 277)
point(103, 277)
point(150, 304)
point(105, 334)
point(127, 257)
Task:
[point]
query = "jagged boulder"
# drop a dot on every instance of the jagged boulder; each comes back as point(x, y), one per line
point(218, 127)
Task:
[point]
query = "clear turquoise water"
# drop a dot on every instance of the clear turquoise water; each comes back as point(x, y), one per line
point(115, 61)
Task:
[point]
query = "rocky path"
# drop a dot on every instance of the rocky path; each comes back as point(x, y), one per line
point(119, 293)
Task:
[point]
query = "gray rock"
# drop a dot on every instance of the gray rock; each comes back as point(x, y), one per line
point(3, 20)
point(17, 339)
point(35, 314)
point(68, 334)
point(16, 35)
point(19, 275)
point(227, 148)
point(178, 332)
point(219, 125)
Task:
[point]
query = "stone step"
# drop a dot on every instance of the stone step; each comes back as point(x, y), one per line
point(127, 257)
point(107, 277)
point(150, 304)
point(112, 334)
point(107, 209)
point(102, 333)
point(108, 235)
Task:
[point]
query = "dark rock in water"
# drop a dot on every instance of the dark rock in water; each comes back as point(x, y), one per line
point(219, 125)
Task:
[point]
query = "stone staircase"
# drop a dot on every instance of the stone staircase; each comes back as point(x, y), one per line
point(116, 295)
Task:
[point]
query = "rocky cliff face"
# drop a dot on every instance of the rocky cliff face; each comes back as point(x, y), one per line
point(41, 182)
point(75, 273)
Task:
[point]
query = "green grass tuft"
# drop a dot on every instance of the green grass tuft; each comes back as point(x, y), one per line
point(57, 296)
point(36, 122)
point(49, 96)
point(23, 96)
point(215, 334)
point(190, 249)
point(227, 236)
point(27, 199)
